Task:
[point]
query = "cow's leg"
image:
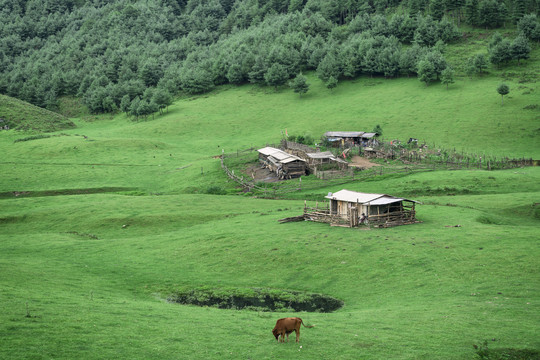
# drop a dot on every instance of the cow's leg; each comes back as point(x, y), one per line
point(287, 337)
point(297, 335)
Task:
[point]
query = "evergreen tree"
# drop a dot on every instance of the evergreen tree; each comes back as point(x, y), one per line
point(426, 72)
point(476, 64)
point(276, 75)
point(437, 9)
point(520, 48)
point(151, 73)
point(300, 84)
point(408, 60)
point(447, 77)
point(519, 10)
point(328, 67)
point(500, 53)
point(259, 68)
point(480, 63)
point(471, 12)
point(196, 80)
point(528, 25)
point(491, 14)
point(426, 33)
point(125, 104)
point(331, 83)
point(134, 107)
point(162, 98)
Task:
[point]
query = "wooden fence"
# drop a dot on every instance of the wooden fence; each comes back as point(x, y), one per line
point(414, 162)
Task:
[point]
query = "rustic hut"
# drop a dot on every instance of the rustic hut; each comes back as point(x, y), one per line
point(286, 166)
point(325, 160)
point(374, 209)
point(344, 138)
point(352, 209)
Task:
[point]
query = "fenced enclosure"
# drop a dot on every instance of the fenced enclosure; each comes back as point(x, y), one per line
point(399, 160)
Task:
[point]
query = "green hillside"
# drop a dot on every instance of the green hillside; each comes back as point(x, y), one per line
point(20, 115)
point(113, 211)
point(102, 224)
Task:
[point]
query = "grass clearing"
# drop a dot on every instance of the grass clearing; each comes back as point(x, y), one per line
point(99, 225)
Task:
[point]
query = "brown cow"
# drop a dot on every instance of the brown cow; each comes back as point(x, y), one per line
point(286, 326)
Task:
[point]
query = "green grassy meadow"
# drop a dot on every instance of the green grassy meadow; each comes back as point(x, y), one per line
point(98, 224)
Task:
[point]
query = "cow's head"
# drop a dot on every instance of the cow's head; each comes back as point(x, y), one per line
point(276, 334)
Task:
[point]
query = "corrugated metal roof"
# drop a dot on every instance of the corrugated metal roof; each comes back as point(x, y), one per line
point(291, 159)
point(368, 135)
point(268, 150)
point(385, 200)
point(321, 155)
point(279, 155)
point(346, 134)
point(365, 198)
point(353, 196)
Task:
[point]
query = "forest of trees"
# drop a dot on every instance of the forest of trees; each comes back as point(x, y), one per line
point(135, 55)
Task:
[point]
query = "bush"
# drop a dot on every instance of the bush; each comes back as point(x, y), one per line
point(216, 190)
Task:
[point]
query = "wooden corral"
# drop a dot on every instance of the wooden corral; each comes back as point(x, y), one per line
point(352, 209)
point(284, 165)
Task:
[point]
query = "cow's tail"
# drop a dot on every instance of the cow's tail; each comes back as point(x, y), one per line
point(308, 326)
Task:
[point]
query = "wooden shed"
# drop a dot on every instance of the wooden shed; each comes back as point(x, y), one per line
point(373, 209)
point(285, 165)
point(350, 138)
point(352, 209)
point(319, 159)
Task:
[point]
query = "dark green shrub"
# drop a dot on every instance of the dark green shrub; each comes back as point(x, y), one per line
point(216, 190)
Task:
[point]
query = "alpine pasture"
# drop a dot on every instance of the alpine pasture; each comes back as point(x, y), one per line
point(100, 223)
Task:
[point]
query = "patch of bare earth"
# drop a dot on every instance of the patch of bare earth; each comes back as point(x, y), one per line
point(261, 174)
point(361, 162)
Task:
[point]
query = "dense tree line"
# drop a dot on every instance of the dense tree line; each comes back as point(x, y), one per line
point(133, 55)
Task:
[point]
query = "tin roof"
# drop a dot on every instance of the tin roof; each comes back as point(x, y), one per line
point(279, 155)
point(343, 134)
point(268, 150)
point(321, 155)
point(364, 198)
point(368, 135)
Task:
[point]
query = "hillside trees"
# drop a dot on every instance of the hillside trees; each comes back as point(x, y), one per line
point(102, 51)
point(529, 27)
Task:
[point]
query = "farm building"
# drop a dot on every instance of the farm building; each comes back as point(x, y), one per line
point(286, 166)
point(352, 209)
point(349, 138)
point(325, 160)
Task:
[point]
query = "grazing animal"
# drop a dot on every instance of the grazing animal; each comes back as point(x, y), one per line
point(286, 326)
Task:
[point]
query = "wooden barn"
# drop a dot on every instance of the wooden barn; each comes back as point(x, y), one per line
point(349, 138)
point(372, 209)
point(284, 165)
point(353, 209)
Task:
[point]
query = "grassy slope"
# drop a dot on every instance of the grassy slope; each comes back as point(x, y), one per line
point(94, 289)
point(21, 115)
